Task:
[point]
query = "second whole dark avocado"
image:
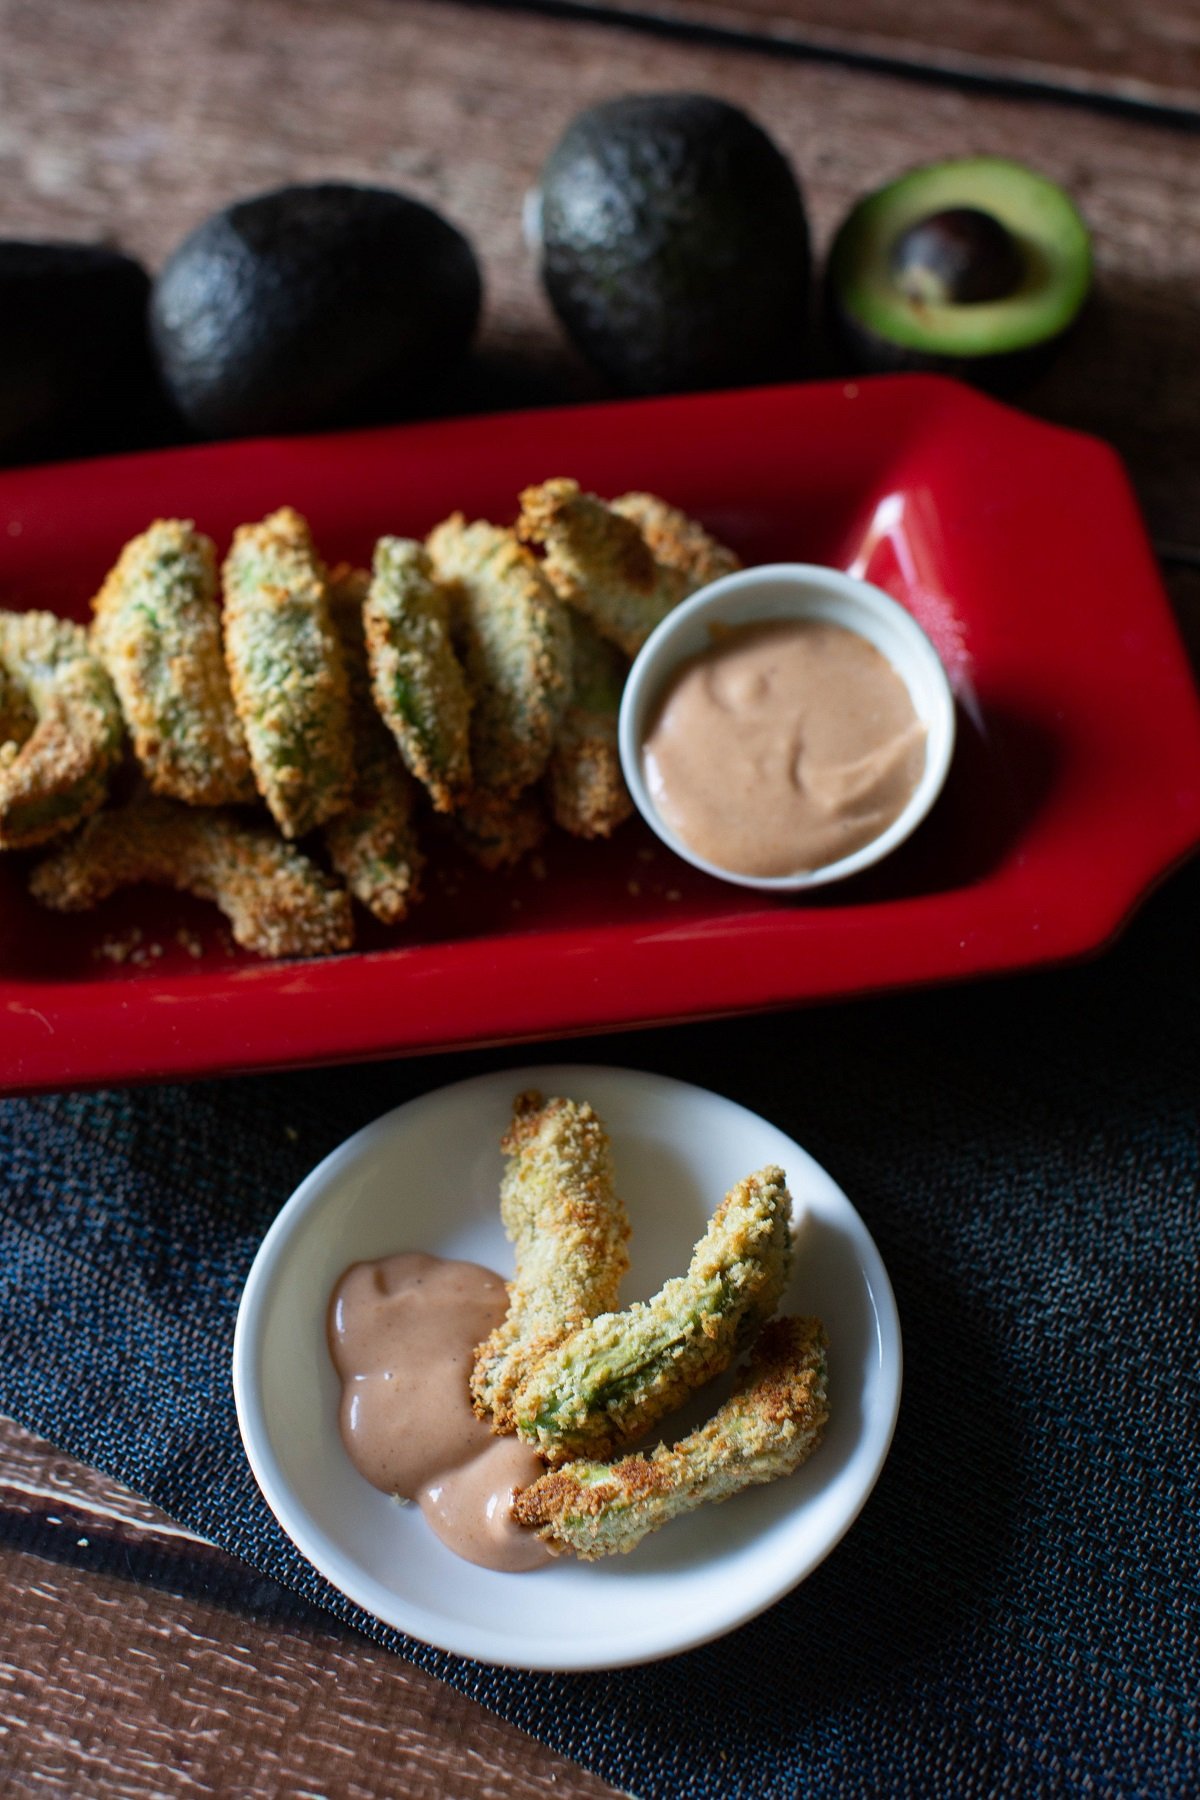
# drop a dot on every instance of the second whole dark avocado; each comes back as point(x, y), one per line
point(313, 306)
point(674, 244)
point(76, 373)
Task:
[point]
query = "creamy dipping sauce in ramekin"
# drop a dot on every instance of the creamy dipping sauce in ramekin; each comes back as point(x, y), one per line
point(785, 746)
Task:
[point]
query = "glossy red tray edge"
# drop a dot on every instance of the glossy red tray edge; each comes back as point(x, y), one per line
point(1068, 903)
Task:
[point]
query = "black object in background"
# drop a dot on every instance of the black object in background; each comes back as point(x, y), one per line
point(313, 306)
point(675, 245)
point(76, 371)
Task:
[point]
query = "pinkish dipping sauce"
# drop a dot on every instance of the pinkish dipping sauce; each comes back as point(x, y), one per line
point(786, 746)
point(402, 1334)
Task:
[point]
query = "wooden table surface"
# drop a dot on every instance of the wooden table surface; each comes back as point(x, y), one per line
point(133, 1661)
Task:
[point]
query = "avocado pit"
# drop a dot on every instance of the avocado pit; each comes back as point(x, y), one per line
point(960, 256)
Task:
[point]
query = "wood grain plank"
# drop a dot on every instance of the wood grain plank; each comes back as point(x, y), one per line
point(108, 128)
point(193, 1676)
point(1144, 54)
point(44, 1483)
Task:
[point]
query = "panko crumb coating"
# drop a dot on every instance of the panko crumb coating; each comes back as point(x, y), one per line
point(373, 844)
point(616, 1377)
point(285, 667)
point(512, 635)
point(278, 903)
point(773, 1423)
point(17, 717)
point(417, 681)
point(677, 541)
point(599, 562)
point(59, 698)
point(567, 1223)
point(157, 629)
point(584, 783)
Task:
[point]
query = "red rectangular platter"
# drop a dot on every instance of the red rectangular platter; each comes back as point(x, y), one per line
point(1018, 546)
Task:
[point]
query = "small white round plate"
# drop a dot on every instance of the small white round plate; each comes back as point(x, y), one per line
point(426, 1177)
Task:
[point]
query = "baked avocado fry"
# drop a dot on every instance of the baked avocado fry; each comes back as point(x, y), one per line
point(67, 726)
point(587, 791)
point(772, 1423)
point(373, 844)
point(512, 634)
point(17, 717)
point(677, 541)
point(277, 902)
point(624, 565)
point(599, 563)
point(286, 669)
point(568, 1228)
point(497, 830)
point(616, 1377)
point(157, 629)
point(417, 680)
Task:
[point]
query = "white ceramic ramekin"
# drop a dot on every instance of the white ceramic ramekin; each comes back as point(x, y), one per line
point(792, 591)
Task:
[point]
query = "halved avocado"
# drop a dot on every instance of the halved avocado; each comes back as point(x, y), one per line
point(976, 267)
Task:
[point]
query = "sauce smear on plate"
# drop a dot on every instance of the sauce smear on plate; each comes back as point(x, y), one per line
point(402, 1334)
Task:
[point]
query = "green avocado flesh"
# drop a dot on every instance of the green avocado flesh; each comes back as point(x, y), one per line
point(1051, 237)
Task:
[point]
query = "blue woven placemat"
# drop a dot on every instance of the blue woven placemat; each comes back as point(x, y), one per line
point(1017, 1611)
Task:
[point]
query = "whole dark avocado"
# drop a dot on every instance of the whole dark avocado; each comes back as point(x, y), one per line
point(76, 372)
point(313, 306)
point(975, 268)
point(675, 244)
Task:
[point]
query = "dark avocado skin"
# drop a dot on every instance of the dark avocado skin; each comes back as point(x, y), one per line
point(76, 371)
point(313, 306)
point(675, 245)
point(863, 352)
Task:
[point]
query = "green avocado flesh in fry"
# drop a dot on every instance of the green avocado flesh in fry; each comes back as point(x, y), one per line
point(617, 1376)
point(614, 1371)
point(157, 629)
point(71, 728)
point(286, 670)
point(419, 687)
point(771, 1424)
